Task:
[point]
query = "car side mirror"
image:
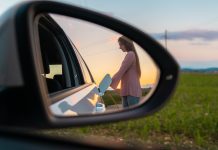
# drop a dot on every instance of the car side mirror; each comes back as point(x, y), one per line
point(39, 99)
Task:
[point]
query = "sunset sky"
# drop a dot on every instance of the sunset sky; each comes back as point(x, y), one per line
point(100, 49)
point(196, 20)
point(192, 27)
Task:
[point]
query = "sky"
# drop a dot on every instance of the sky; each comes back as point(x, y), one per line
point(100, 49)
point(192, 25)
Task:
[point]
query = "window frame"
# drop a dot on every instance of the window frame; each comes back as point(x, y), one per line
point(65, 68)
point(71, 58)
point(81, 60)
point(61, 37)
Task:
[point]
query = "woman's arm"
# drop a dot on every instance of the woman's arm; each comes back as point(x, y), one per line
point(127, 62)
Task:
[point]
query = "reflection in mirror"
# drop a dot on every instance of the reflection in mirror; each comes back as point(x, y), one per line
point(90, 69)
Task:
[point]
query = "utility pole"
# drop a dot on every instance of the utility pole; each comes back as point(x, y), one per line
point(165, 37)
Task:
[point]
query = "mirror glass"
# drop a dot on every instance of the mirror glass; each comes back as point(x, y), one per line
point(89, 69)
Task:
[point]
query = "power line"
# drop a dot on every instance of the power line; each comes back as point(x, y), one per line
point(95, 43)
point(106, 51)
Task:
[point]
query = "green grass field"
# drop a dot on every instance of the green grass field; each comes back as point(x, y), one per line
point(189, 119)
point(113, 97)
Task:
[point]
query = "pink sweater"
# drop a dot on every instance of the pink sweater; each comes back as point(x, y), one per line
point(128, 75)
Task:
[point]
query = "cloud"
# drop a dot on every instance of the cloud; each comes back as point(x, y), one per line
point(205, 35)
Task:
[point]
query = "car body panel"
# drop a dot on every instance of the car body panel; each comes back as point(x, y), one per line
point(81, 102)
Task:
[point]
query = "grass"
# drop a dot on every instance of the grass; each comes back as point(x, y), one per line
point(189, 120)
point(113, 97)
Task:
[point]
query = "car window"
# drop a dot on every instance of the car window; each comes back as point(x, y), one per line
point(59, 72)
point(86, 74)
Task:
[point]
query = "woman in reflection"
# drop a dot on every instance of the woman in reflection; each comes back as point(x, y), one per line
point(129, 74)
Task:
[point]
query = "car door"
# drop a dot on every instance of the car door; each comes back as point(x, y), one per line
point(69, 82)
